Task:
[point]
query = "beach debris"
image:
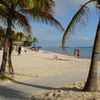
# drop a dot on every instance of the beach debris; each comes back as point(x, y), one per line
point(79, 85)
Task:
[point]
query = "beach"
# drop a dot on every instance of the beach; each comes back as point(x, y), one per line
point(42, 72)
point(69, 92)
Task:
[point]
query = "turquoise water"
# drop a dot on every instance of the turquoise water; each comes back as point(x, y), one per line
point(84, 51)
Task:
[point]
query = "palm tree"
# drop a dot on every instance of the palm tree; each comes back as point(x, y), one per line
point(14, 38)
point(10, 48)
point(2, 40)
point(35, 41)
point(28, 41)
point(18, 11)
point(9, 13)
point(80, 18)
point(19, 36)
point(2, 36)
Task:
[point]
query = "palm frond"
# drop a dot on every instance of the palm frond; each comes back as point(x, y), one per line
point(23, 22)
point(22, 3)
point(49, 19)
point(98, 4)
point(78, 21)
point(48, 6)
point(18, 36)
point(44, 5)
point(3, 10)
point(45, 17)
point(3, 2)
point(39, 5)
point(3, 13)
point(2, 32)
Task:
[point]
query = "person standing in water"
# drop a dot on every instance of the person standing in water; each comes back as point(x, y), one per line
point(78, 53)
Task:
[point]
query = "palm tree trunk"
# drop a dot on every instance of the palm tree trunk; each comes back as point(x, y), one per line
point(10, 67)
point(91, 84)
point(5, 51)
point(4, 58)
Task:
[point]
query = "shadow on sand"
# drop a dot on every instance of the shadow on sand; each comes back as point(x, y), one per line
point(32, 85)
point(46, 87)
point(11, 94)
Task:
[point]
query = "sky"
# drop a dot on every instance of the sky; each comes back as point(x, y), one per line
point(64, 10)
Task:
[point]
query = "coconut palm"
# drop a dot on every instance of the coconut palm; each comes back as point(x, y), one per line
point(14, 38)
point(2, 36)
point(2, 40)
point(28, 41)
point(35, 41)
point(8, 13)
point(19, 36)
point(10, 48)
point(80, 18)
point(18, 11)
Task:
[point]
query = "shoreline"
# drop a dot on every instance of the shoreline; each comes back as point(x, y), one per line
point(85, 52)
point(65, 53)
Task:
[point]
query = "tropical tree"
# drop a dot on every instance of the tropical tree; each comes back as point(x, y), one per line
point(2, 36)
point(80, 18)
point(16, 37)
point(28, 41)
point(18, 11)
point(10, 48)
point(2, 40)
point(35, 41)
point(19, 36)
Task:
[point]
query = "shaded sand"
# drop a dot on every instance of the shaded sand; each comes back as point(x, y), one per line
point(36, 73)
point(69, 92)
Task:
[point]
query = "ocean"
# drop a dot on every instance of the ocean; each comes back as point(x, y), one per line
point(85, 52)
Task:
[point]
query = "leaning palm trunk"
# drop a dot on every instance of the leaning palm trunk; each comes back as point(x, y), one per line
point(10, 67)
point(91, 84)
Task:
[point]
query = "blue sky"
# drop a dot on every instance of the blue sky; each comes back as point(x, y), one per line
point(49, 36)
point(64, 10)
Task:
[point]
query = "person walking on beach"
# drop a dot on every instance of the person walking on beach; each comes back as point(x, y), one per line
point(19, 50)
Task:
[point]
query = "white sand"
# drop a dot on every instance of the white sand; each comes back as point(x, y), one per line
point(41, 64)
point(31, 66)
point(69, 92)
